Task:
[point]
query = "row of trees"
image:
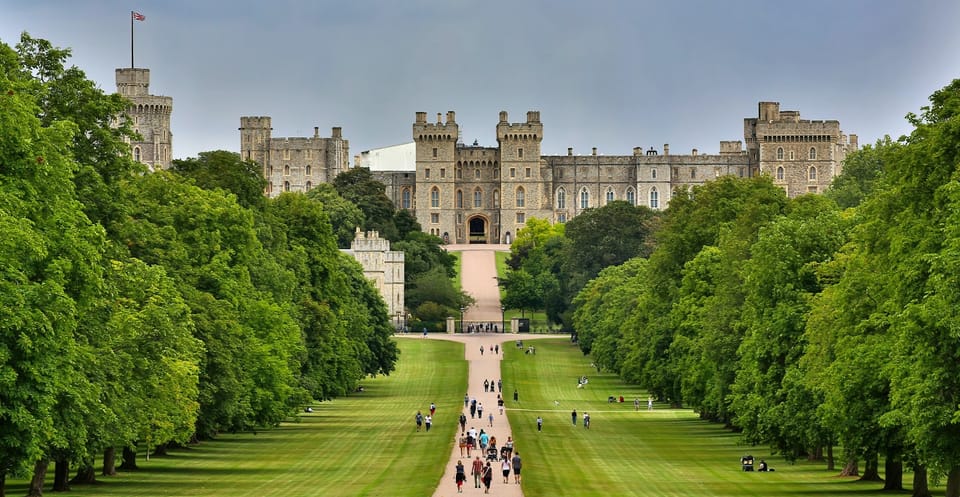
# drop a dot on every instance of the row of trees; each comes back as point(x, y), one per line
point(808, 323)
point(139, 309)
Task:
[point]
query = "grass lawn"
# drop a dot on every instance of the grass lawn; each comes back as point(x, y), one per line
point(667, 452)
point(364, 444)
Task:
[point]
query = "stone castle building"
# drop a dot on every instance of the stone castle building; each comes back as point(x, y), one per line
point(382, 266)
point(292, 164)
point(150, 116)
point(474, 194)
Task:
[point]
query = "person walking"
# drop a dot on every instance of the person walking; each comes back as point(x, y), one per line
point(481, 350)
point(480, 410)
point(461, 477)
point(505, 467)
point(516, 395)
point(487, 477)
point(419, 419)
point(433, 408)
point(573, 417)
point(650, 403)
point(486, 384)
point(466, 400)
point(517, 465)
point(477, 472)
point(463, 423)
point(428, 421)
point(500, 403)
point(490, 417)
point(636, 404)
point(473, 408)
point(500, 385)
point(539, 423)
point(586, 420)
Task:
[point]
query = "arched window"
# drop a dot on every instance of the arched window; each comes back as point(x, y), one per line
point(459, 199)
point(813, 173)
point(309, 185)
point(405, 198)
point(286, 170)
point(521, 200)
point(654, 198)
point(136, 154)
point(309, 170)
point(478, 198)
point(609, 195)
point(286, 186)
point(561, 199)
point(780, 173)
point(780, 153)
point(584, 199)
point(435, 197)
point(653, 174)
point(476, 173)
point(813, 153)
point(631, 196)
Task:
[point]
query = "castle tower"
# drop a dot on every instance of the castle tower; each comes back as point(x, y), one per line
point(255, 135)
point(150, 117)
point(524, 193)
point(436, 147)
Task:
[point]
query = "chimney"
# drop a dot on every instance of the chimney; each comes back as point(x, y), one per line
point(503, 116)
point(569, 151)
point(666, 149)
point(694, 152)
point(422, 117)
point(337, 132)
point(316, 131)
point(439, 118)
point(451, 117)
point(637, 151)
point(594, 150)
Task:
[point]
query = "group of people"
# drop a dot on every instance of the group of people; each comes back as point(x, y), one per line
point(427, 420)
point(482, 471)
point(483, 328)
point(495, 349)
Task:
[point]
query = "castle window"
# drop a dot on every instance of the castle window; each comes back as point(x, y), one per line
point(443, 172)
point(653, 174)
point(654, 199)
point(476, 173)
point(527, 172)
point(309, 185)
point(426, 173)
point(562, 217)
point(561, 199)
point(693, 172)
point(309, 169)
point(811, 189)
point(286, 170)
point(791, 155)
point(609, 195)
point(631, 196)
point(435, 197)
point(286, 186)
point(434, 152)
point(478, 198)
point(496, 173)
point(405, 198)
point(496, 198)
point(812, 175)
point(813, 153)
point(271, 170)
point(459, 199)
point(513, 172)
point(519, 153)
point(270, 187)
point(559, 173)
point(435, 218)
point(584, 199)
point(521, 200)
point(740, 172)
point(780, 173)
point(136, 154)
point(779, 153)
point(521, 218)
point(459, 173)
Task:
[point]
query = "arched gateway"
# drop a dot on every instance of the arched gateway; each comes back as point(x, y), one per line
point(477, 227)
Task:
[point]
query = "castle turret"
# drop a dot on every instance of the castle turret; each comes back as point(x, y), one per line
point(436, 147)
point(149, 116)
point(255, 134)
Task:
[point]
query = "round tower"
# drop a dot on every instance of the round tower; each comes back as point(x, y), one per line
point(149, 116)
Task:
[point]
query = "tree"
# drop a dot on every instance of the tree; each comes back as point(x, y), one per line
point(225, 170)
point(345, 217)
point(359, 186)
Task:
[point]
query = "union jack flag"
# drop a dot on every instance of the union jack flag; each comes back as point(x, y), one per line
point(138, 16)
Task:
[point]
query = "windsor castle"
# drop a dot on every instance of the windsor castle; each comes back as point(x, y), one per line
point(473, 194)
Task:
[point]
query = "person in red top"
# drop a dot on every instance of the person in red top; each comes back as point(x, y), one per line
point(477, 471)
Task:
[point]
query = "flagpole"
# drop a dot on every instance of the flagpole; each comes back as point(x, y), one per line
point(131, 39)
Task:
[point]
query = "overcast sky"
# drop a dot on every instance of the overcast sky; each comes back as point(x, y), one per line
point(605, 74)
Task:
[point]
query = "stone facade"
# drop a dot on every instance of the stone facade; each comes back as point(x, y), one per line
point(473, 194)
point(382, 266)
point(150, 116)
point(293, 164)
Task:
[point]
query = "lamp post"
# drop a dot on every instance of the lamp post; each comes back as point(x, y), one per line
point(461, 318)
point(503, 312)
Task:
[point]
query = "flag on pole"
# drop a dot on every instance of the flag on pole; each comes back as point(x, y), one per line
point(138, 16)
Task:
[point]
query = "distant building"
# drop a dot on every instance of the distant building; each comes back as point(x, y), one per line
point(293, 164)
point(384, 267)
point(150, 116)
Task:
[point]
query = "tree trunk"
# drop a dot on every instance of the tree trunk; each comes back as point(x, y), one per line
point(109, 462)
point(871, 471)
point(920, 487)
point(851, 468)
point(85, 475)
point(160, 450)
point(3, 484)
point(893, 471)
point(831, 463)
point(953, 482)
point(39, 475)
point(816, 454)
point(129, 459)
point(61, 473)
